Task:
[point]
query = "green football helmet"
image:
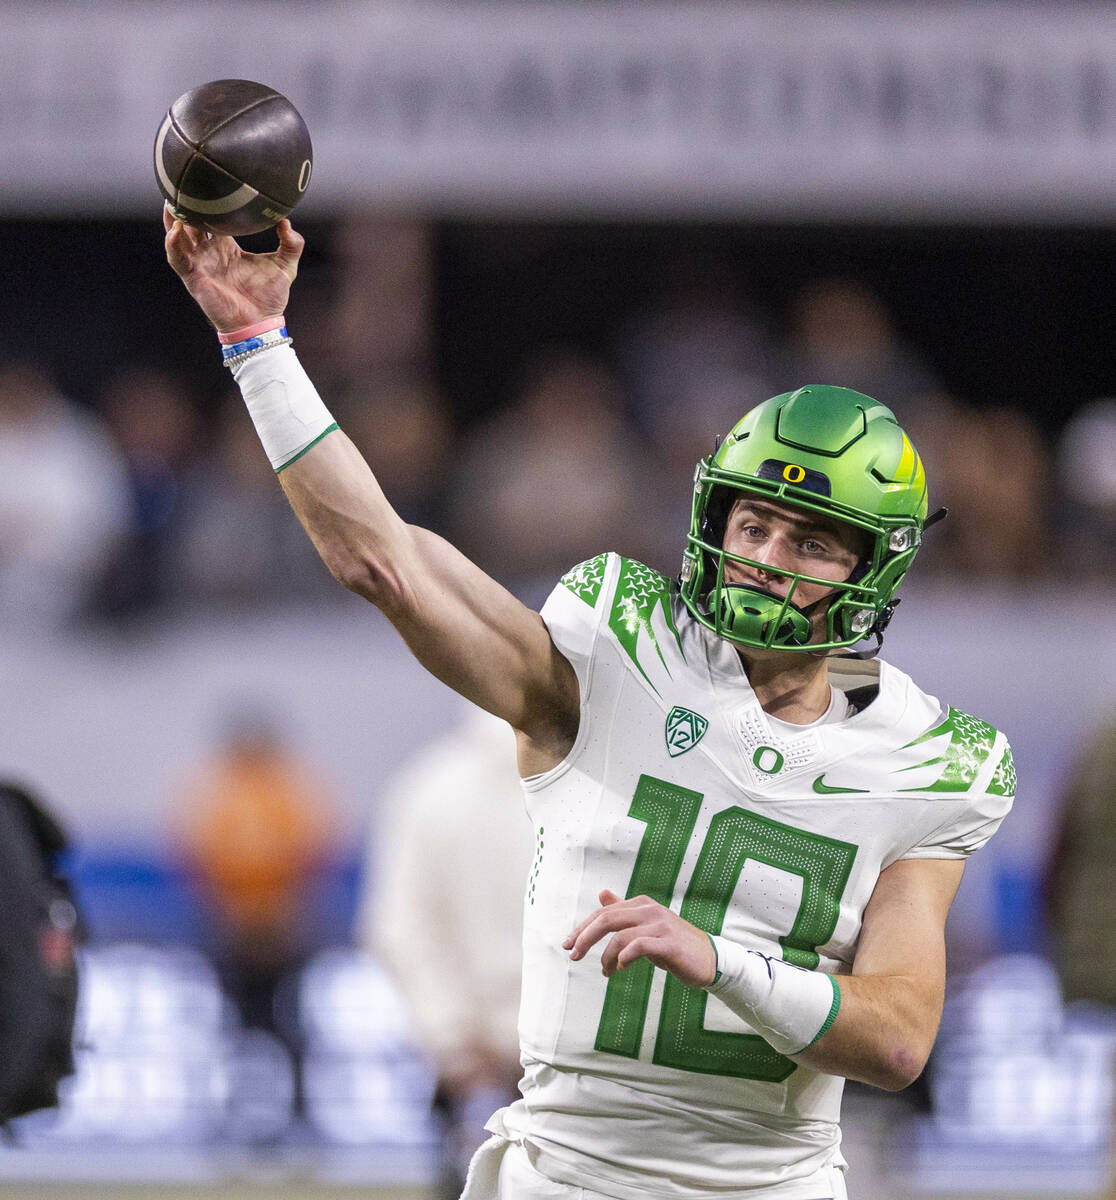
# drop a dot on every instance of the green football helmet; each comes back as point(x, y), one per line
point(826, 450)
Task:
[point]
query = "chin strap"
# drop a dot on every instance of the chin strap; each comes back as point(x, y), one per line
point(936, 516)
point(863, 655)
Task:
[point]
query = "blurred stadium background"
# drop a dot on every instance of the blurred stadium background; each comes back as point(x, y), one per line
point(553, 249)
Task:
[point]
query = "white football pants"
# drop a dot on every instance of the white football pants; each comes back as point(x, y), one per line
point(500, 1170)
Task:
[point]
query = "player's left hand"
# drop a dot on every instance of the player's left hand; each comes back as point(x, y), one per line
point(644, 928)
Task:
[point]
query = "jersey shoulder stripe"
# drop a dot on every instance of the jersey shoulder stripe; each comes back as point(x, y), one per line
point(1003, 778)
point(964, 748)
point(634, 603)
point(641, 620)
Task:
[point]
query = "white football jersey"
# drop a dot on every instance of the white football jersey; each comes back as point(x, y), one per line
point(680, 787)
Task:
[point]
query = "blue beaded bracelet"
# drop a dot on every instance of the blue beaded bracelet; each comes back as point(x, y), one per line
point(261, 341)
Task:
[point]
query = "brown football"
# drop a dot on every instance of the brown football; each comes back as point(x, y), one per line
point(233, 156)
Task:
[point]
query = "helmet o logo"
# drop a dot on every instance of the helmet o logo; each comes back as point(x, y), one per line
point(793, 473)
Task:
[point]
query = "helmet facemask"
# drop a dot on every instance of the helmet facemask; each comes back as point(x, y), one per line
point(750, 615)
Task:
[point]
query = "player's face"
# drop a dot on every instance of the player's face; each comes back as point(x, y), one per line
point(784, 540)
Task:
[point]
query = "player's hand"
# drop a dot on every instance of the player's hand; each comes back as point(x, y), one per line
point(643, 928)
point(233, 287)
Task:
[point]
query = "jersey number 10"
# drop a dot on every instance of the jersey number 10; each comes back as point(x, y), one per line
point(735, 836)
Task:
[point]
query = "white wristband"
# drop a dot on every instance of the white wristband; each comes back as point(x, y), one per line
point(284, 405)
point(788, 1006)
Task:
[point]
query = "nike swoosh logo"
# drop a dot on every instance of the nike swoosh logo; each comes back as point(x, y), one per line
point(823, 788)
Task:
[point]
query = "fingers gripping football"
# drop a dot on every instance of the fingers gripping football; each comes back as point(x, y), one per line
point(233, 287)
point(643, 928)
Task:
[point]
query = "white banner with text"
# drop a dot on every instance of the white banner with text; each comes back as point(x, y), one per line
point(874, 111)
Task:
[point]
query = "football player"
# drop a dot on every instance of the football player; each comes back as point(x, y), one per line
point(747, 841)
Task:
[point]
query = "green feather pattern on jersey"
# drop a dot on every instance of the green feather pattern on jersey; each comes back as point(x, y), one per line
point(971, 741)
point(1003, 782)
point(586, 579)
point(639, 592)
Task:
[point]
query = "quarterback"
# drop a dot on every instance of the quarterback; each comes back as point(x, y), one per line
point(747, 838)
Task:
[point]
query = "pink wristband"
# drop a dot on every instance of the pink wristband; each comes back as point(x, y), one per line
point(241, 335)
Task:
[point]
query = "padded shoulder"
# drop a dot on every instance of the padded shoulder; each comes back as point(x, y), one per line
point(586, 580)
point(574, 610)
point(632, 602)
point(970, 752)
point(974, 768)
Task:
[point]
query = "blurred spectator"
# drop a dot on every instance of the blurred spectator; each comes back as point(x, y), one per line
point(154, 420)
point(693, 364)
point(555, 479)
point(1081, 900)
point(400, 423)
point(1086, 486)
point(63, 500)
point(236, 539)
point(254, 836)
point(442, 909)
point(383, 305)
point(841, 333)
point(992, 474)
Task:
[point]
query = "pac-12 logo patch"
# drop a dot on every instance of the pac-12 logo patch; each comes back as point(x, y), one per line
point(684, 729)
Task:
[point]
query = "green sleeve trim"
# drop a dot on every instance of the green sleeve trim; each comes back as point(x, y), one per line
point(716, 960)
point(328, 429)
point(834, 1009)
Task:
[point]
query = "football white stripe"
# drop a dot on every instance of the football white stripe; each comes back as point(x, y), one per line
point(225, 204)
